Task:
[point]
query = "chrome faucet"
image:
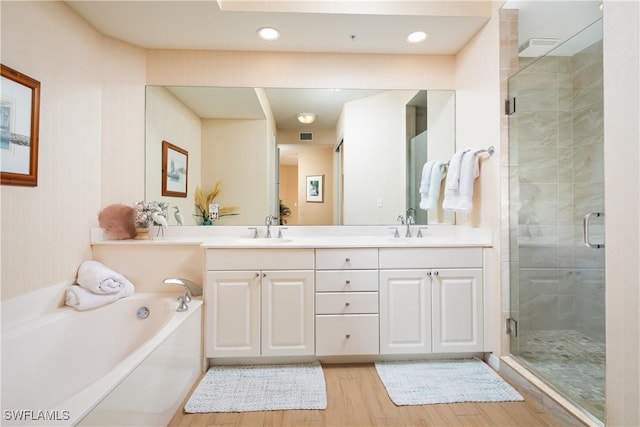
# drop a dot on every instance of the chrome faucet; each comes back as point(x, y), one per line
point(190, 289)
point(410, 221)
point(268, 221)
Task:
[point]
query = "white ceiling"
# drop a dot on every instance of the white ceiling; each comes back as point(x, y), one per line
point(375, 26)
point(346, 26)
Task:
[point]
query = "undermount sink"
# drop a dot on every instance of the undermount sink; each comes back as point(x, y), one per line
point(263, 241)
point(414, 239)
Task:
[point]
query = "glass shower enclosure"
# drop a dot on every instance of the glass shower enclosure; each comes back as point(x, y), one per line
point(556, 227)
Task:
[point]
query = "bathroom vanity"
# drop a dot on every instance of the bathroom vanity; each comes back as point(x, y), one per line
point(355, 293)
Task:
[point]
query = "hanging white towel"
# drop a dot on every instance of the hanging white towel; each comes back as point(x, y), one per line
point(426, 177)
point(462, 199)
point(99, 279)
point(82, 299)
point(453, 174)
point(429, 197)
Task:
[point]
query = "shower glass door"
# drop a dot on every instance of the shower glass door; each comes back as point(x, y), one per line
point(556, 205)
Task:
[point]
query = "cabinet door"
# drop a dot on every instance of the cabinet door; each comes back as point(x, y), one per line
point(232, 313)
point(405, 312)
point(288, 313)
point(457, 310)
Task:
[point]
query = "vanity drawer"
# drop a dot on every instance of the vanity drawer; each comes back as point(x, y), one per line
point(346, 280)
point(347, 303)
point(346, 259)
point(430, 257)
point(259, 259)
point(338, 335)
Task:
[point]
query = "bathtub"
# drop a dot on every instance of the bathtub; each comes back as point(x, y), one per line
point(102, 367)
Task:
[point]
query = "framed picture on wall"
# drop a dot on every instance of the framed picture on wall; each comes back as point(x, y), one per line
point(19, 127)
point(175, 162)
point(315, 188)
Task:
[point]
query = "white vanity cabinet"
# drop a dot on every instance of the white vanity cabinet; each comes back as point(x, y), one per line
point(259, 302)
point(405, 312)
point(347, 321)
point(431, 300)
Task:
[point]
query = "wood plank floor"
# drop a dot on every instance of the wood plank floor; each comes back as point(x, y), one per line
point(356, 397)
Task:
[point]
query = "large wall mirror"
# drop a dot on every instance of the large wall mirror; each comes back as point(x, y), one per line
point(320, 156)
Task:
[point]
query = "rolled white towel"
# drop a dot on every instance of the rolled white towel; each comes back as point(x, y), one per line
point(82, 299)
point(99, 279)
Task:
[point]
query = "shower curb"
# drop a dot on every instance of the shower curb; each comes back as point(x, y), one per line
point(550, 400)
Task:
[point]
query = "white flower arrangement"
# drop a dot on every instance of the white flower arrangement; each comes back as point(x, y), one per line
point(145, 211)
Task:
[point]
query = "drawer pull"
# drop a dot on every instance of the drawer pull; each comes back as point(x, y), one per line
point(347, 336)
point(348, 282)
point(346, 304)
point(347, 259)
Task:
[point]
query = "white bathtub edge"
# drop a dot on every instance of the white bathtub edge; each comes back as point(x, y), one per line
point(82, 404)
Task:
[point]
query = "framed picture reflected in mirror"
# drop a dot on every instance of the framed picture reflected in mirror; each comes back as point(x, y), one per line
point(315, 188)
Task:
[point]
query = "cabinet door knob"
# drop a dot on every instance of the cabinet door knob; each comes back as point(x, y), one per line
point(348, 282)
point(428, 273)
point(347, 259)
point(347, 336)
point(435, 273)
point(264, 274)
point(257, 274)
point(346, 304)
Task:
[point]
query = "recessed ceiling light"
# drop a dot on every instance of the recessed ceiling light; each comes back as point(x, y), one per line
point(268, 33)
point(307, 118)
point(417, 37)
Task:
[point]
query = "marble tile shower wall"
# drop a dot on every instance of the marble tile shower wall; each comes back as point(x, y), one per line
point(556, 172)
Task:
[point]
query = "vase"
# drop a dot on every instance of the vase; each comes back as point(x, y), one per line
point(207, 223)
point(142, 233)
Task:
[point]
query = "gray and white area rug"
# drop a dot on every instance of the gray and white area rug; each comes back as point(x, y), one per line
point(260, 388)
point(424, 382)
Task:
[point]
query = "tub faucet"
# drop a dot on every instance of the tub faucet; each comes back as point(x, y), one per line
point(190, 289)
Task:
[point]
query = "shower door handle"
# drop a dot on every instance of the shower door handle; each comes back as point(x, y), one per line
point(585, 230)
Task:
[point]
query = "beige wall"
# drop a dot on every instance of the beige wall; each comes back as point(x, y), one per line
point(289, 191)
point(235, 152)
point(168, 119)
point(317, 161)
point(293, 70)
point(375, 158)
point(477, 127)
point(91, 150)
point(621, 20)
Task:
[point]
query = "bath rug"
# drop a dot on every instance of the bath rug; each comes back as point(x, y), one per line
point(426, 382)
point(260, 388)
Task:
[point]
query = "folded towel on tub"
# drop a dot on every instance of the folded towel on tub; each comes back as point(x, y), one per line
point(99, 279)
point(83, 299)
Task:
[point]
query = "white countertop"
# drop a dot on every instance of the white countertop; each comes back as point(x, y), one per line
point(240, 237)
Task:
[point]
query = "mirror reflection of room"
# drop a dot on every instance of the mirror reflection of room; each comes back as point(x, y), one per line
point(263, 144)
